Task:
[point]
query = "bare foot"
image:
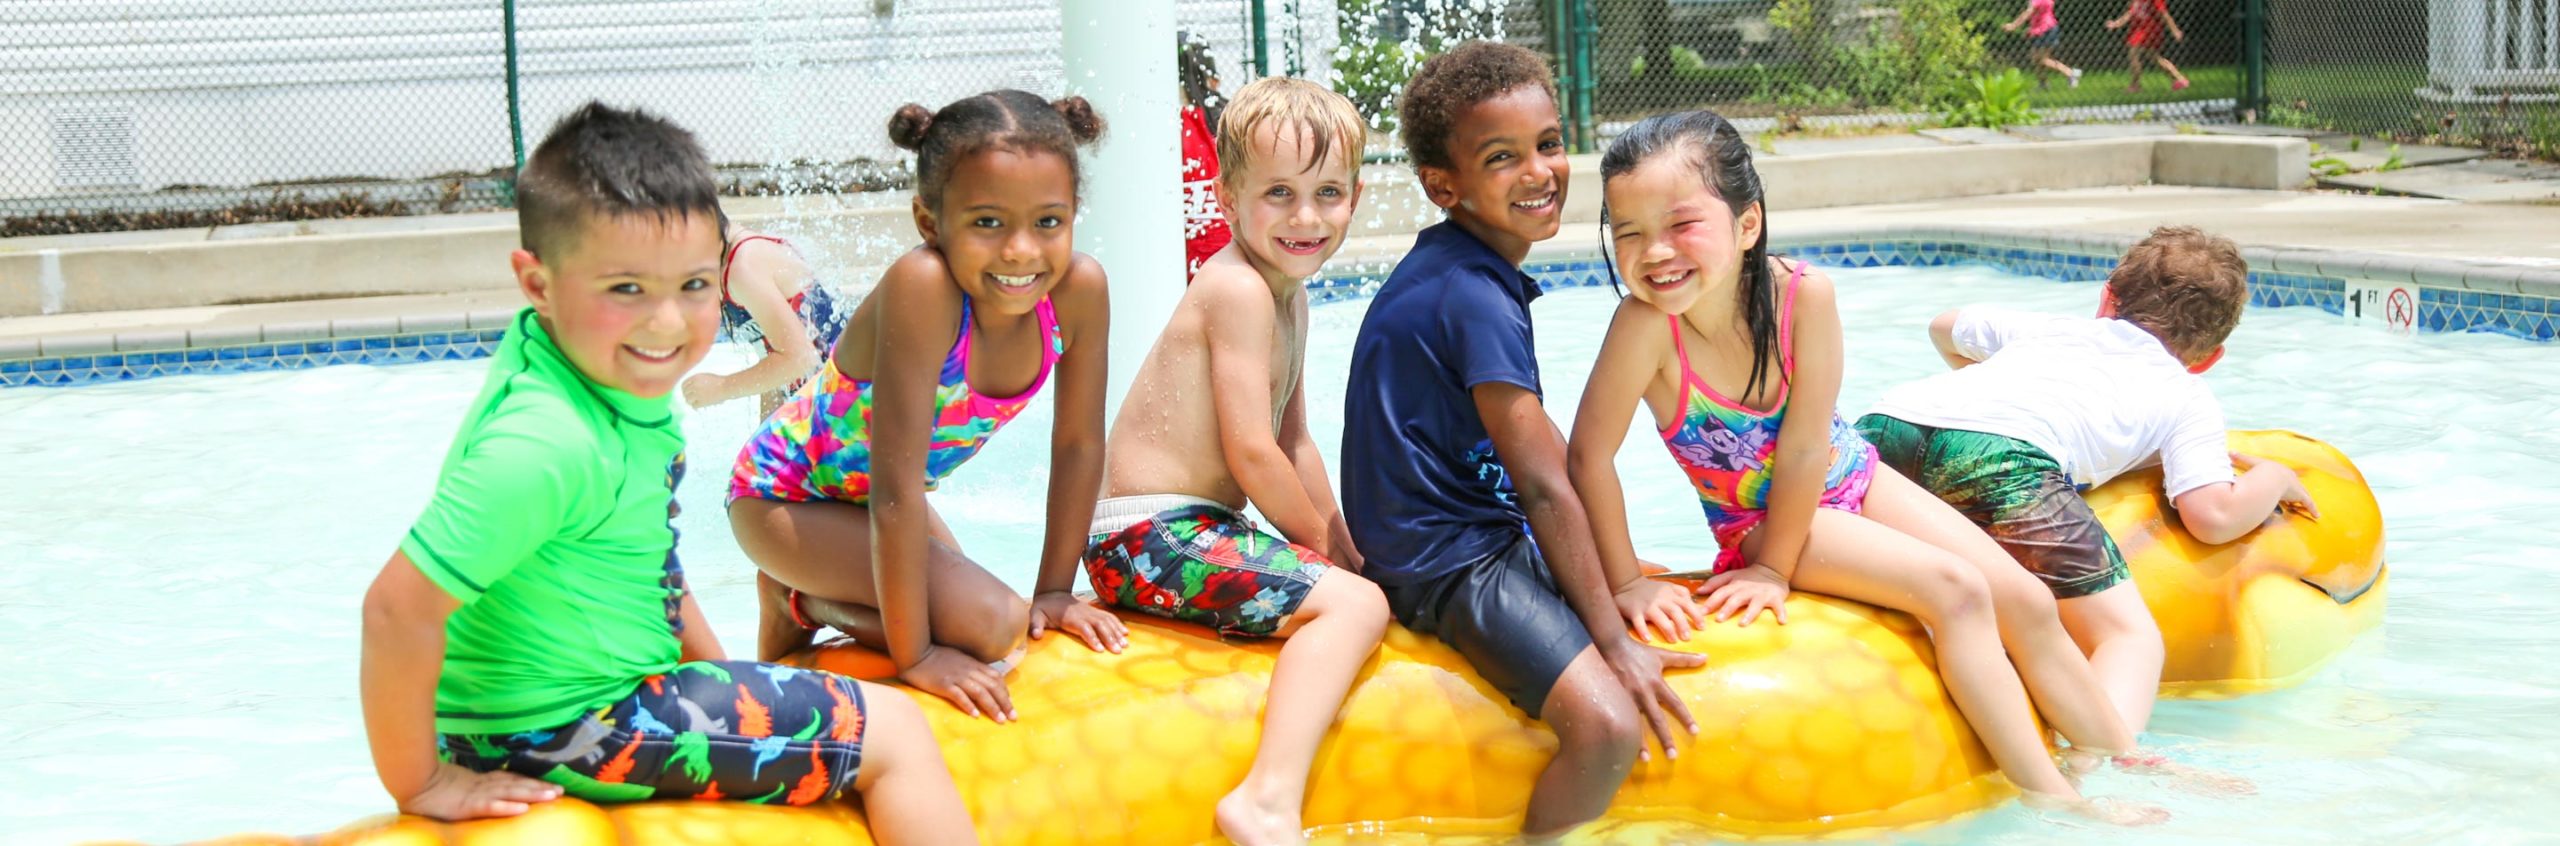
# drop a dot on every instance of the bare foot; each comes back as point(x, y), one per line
point(2194, 781)
point(1251, 823)
point(2109, 811)
point(2078, 763)
point(777, 635)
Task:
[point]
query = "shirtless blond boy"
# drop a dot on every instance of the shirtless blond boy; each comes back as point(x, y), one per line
point(1217, 418)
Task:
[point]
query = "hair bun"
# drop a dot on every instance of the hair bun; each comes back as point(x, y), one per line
point(1081, 119)
point(908, 126)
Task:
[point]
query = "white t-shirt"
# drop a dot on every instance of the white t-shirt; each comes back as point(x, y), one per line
point(2098, 394)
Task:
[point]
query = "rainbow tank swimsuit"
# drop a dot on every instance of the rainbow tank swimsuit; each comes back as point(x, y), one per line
point(817, 445)
point(1729, 451)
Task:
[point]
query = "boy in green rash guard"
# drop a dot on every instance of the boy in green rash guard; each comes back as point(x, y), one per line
point(533, 635)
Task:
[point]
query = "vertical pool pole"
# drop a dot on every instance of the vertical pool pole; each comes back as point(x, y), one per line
point(1120, 55)
point(1261, 25)
point(515, 96)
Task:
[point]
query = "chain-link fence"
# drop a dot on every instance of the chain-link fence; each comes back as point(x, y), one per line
point(2463, 72)
point(126, 114)
point(2090, 60)
point(136, 114)
point(119, 115)
point(1803, 63)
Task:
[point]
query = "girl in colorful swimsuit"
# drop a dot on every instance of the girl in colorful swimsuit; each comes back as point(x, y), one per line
point(828, 498)
point(768, 296)
point(1738, 356)
point(2148, 19)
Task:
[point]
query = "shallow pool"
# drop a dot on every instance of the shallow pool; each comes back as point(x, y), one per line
point(181, 562)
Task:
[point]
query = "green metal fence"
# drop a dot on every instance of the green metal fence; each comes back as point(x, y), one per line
point(2472, 72)
point(1812, 64)
point(124, 114)
point(2465, 72)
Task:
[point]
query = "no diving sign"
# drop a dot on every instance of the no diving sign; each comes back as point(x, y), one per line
point(2394, 308)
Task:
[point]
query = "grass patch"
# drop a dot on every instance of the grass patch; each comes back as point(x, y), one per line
point(2105, 85)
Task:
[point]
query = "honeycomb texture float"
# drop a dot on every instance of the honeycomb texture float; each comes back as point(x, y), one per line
point(1833, 722)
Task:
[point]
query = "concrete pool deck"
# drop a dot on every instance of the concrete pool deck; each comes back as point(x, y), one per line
point(2525, 238)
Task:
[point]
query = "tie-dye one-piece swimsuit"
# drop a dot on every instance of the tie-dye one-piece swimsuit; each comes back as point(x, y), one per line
point(817, 445)
point(1729, 451)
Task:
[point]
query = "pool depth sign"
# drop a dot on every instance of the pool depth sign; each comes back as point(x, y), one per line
point(2394, 308)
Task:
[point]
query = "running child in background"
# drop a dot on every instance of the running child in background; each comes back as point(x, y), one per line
point(2044, 32)
point(1204, 228)
point(1738, 356)
point(769, 296)
point(2037, 408)
point(534, 636)
point(2149, 19)
point(1216, 418)
point(828, 497)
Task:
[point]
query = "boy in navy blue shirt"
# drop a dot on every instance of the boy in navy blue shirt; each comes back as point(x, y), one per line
point(1453, 475)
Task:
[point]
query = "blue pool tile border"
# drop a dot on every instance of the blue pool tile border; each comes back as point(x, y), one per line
point(2277, 279)
point(247, 358)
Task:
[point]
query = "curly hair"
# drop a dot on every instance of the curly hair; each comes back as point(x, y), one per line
point(1453, 82)
point(2183, 285)
point(1006, 119)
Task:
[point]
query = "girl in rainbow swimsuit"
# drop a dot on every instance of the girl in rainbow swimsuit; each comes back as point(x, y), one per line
point(1741, 371)
point(828, 498)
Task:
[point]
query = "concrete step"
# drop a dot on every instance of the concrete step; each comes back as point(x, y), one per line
point(2480, 181)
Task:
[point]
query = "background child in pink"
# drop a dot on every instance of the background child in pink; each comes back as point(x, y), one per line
point(2149, 19)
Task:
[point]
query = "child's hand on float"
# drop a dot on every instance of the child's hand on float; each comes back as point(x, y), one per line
point(973, 685)
point(1745, 593)
point(455, 794)
point(1652, 606)
point(1061, 610)
point(2296, 499)
point(1639, 667)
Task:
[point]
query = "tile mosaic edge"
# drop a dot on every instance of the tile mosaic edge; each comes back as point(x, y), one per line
point(2452, 296)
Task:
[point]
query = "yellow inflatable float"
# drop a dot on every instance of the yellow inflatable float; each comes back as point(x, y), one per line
point(1834, 722)
point(2271, 609)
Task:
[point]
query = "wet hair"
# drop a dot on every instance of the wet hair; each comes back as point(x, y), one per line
point(1453, 82)
point(1196, 68)
point(1006, 119)
point(1706, 141)
point(2183, 285)
point(1330, 123)
point(601, 161)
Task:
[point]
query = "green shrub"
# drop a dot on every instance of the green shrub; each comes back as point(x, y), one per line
point(1991, 101)
point(1910, 59)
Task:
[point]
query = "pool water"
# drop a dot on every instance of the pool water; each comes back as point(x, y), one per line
point(182, 561)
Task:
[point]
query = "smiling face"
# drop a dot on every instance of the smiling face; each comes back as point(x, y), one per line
point(1289, 217)
point(1508, 175)
point(1675, 240)
point(1006, 226)
point(634, 301)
